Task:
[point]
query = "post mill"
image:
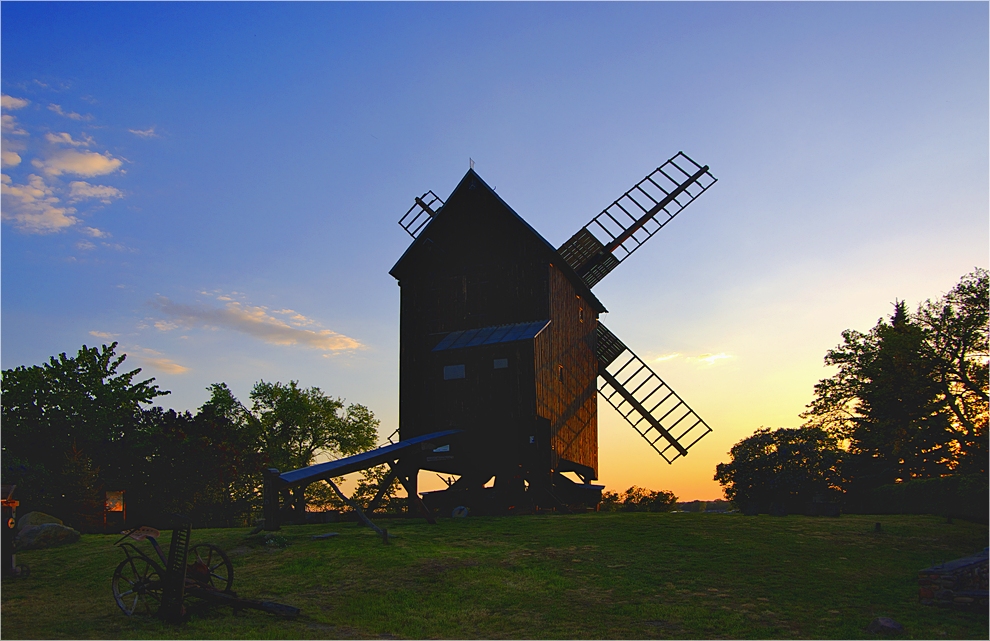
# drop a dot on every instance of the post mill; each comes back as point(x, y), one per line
point(502, 354)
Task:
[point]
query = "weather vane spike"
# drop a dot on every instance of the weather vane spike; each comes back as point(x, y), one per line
point(471, 162)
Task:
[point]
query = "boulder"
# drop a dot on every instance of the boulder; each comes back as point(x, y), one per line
point(32, 519)
point(46, 535)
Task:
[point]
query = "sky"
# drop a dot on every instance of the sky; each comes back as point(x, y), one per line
point(216, 187)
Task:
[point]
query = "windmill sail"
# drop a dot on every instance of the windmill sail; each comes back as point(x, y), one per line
point(611, 236)
point(645, 401)
point(421, 213)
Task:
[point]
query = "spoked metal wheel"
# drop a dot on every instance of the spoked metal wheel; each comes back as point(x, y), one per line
point(209, 565)
point(137, 586)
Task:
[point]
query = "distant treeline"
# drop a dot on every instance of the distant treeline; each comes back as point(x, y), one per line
point(74, 428)
point(901, 425)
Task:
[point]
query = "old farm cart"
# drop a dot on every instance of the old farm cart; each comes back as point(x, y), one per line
point(159, 585)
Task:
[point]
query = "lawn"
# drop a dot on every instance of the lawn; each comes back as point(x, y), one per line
point(625, 575)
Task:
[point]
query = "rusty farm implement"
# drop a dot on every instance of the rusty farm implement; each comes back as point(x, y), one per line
point(160, 584)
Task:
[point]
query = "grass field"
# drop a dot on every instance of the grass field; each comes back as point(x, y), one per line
point(624, 575)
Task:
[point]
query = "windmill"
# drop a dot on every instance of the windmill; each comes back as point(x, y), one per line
point(500, 341)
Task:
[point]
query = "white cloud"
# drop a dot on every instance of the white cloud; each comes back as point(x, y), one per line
point(82, 163)
point(104, 335)
point(85, 245)
point(68, 114)
point(119, 247)
point(164, 365)
point(257, 322)
point(33, 207)
point(145, 133)
point(95, 233)
point(79, 190)
point(9, 158)
point(665, 357)
point(9, 102)
point(155, 360)
point(709, 359)
point(8, 125)
point(66, 139)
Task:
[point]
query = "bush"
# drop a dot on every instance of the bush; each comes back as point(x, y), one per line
point(961, 496)
point(638, 499)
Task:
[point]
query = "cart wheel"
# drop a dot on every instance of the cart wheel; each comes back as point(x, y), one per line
point(211, 566)
point(137, 586)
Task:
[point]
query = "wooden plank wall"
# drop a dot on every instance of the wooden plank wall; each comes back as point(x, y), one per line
point(567, 373)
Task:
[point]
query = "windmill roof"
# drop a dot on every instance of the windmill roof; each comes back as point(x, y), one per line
point(470, 181)
point(491, 335)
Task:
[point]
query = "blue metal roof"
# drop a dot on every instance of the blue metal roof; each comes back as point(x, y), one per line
point(361, 461)
point(491, 335)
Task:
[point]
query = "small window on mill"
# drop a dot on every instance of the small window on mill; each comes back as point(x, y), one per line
point(581, 314)
point(451, 372)
point(560, 373)
point(501, 363)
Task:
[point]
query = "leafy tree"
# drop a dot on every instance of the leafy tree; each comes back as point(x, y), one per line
point(910, 396)
point(786, 466)
point(294, 424)
point(80, 404)
point(638, 499)
point(956, 328)
point(202, 465)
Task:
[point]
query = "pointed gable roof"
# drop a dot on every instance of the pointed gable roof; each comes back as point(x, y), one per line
point(471, 182)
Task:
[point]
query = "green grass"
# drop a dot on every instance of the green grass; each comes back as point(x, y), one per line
point(588, 576)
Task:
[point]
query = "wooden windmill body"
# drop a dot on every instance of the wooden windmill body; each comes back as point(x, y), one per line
point(500, 339)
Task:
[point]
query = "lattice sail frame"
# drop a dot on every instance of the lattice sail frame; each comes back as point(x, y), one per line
point(421, 213)
point(622, 227)
point(647, 403)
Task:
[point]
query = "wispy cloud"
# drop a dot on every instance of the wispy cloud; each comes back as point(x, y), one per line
point(10, 102)
point(85, 245)
point(64, 138)
point(665, 357)
point(709, 359)
point(95, 233)
point(81, 190)
point(33, 207)
point(254, 321)
point(81, 163)
point(104, 335)
point(71, 115)
point(9, 126)
point(145, 133)
point(156, 360)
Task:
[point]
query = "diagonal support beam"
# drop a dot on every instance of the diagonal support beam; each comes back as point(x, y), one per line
point(382, 488)
point(357, 508)
point(414, 497)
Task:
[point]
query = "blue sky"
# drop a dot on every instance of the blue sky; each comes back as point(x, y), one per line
point(216, 186)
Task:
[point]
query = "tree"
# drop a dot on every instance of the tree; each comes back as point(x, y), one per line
point(956, 327)
point(910, 396)
point(81, 408)
point(787, 466)
point(638, 499)
point(294, 424)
